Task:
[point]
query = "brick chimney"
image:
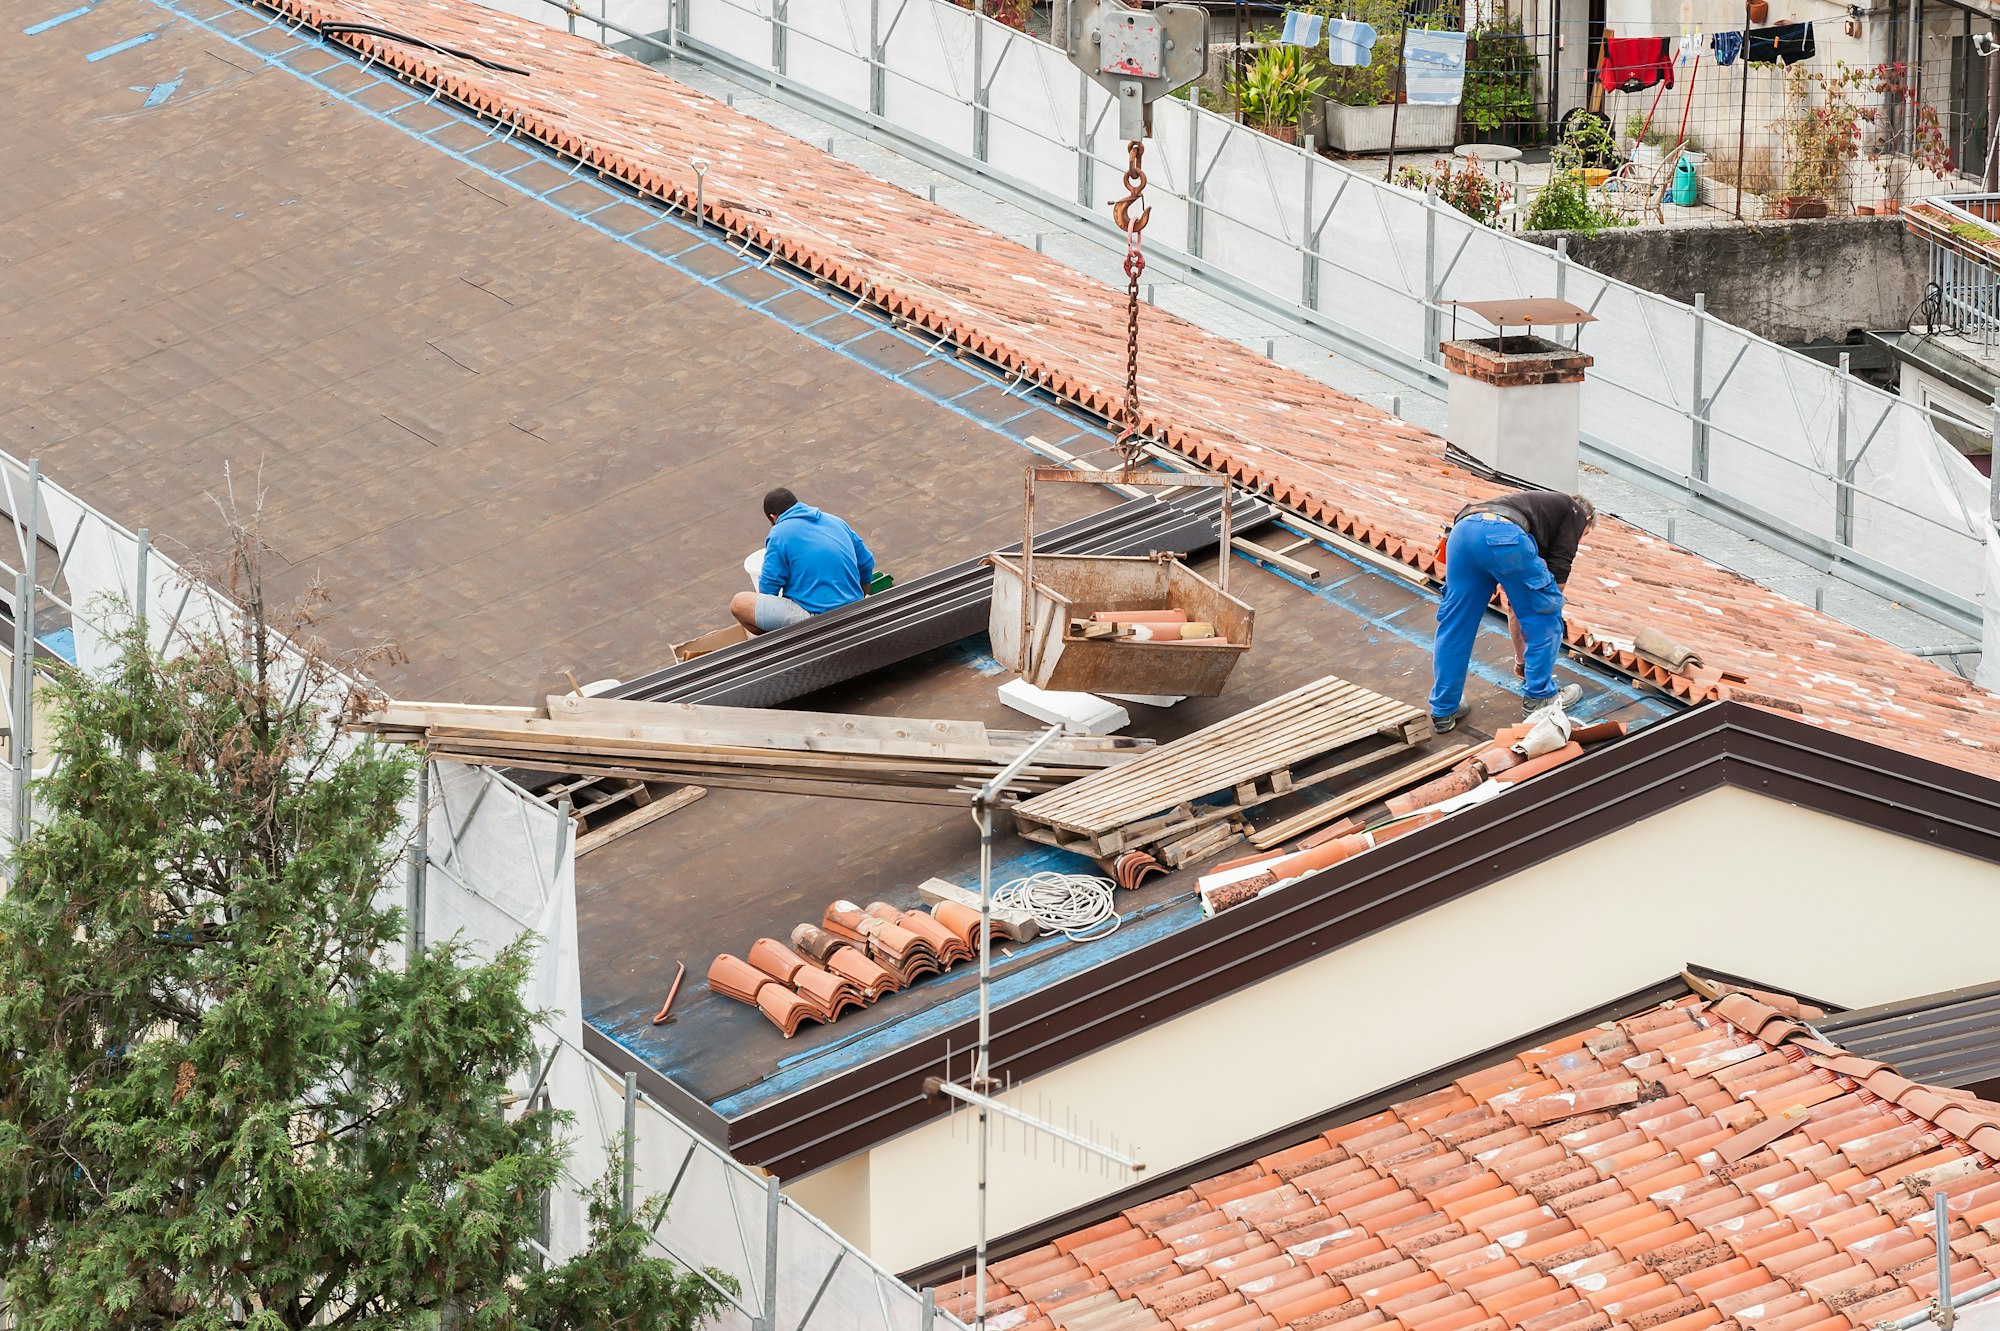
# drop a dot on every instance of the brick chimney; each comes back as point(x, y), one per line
point(1514, 405)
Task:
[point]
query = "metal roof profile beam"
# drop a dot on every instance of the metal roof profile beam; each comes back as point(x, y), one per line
point(937, 609)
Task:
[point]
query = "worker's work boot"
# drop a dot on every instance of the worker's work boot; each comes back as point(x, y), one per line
point(1563, 698)
point(1443, 723)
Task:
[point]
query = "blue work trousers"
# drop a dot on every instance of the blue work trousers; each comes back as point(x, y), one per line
point(1482, 553)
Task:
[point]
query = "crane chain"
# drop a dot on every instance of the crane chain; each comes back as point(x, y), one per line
point(1131, 218)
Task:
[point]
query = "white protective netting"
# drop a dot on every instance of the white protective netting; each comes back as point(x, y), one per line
point(929, 73)
point(741, 28)
point(828, 49)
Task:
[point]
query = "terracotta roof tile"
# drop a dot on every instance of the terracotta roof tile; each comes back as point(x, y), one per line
point(1772, 1233)
point(1376, 479)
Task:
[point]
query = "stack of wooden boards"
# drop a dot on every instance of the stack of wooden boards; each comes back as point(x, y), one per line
point(852, 957)
point(1187, 797)
point(811, 753)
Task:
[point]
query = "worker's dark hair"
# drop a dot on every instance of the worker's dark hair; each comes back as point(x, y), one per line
point(1583, 506)
point(777, 501)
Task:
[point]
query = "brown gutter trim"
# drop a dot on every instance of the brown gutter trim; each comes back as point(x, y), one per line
point(1129, 992)
point(1663, 765)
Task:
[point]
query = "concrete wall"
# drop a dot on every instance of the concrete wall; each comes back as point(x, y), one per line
point(1787, 281)
point(1730, 879)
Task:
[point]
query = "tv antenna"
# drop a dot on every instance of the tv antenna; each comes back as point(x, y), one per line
point(977, 1089)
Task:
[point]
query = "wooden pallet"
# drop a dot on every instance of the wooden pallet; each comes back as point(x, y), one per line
point(603, 809)
point(1312, 734)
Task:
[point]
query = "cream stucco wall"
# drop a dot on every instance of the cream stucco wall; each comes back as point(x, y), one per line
point(1730, 880)
point(839, 1196)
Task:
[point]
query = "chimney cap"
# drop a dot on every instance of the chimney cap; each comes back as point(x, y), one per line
point(1530, 312)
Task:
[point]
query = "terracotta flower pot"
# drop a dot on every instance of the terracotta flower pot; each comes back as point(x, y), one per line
point(1801, 208)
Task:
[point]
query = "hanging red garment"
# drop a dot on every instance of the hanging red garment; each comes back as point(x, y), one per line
point(1632, 63)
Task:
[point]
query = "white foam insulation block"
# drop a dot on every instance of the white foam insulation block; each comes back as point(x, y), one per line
point(1083, 713)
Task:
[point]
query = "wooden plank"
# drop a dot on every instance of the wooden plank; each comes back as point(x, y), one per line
point(409, 724)
point(1359, 797)
point(532, 736)
point(462, 709)
point(632, 822)
point(691, 771)
point(1277, 559)
point(774, 724)
point(1180, 853)
point(403, 720)
point(958, 799)
point(1147, 829)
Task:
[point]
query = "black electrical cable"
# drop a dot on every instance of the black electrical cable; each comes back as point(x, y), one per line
point(390, 34)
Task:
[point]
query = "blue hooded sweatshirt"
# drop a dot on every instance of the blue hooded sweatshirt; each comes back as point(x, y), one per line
point(814, 560)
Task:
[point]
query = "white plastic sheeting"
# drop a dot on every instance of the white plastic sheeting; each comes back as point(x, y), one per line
point(1988, 675)
point(1742, 421)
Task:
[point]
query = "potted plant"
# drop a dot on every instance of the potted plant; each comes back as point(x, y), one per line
point(1821, 137)
point(1502, 83)
point(1358, 106)
point(1275, 91)
point(1563, 203)
point(1462, 186)
point(1824, 134)
point(1929, 149)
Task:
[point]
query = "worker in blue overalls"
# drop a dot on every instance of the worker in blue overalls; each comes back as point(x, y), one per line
point(1524, 544)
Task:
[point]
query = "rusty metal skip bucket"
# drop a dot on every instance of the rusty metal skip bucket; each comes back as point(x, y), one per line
point(1076, 586)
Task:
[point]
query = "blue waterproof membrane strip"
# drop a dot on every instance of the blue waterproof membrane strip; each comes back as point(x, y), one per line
point(125, 45)
point(817, 313)
point(36, 30)
point(160, 92)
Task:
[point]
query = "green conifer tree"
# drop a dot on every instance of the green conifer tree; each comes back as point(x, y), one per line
point(222, 1102)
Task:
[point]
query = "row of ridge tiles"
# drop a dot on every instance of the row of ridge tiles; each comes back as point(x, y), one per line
point(1380, 480)
point(1697, 1166)
point(848, 960)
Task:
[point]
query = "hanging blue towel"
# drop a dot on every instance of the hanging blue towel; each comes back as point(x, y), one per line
point(1433, 67)
point(1350, 42)
point(1301, 29)
point(1727, 46)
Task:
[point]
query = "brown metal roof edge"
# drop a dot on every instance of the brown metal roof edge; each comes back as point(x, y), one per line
point(1661, 766)
point(1864, 1017)
point(1942, 1039)
point(689, 1110)
point(1243, 1153)
point(1744, 982)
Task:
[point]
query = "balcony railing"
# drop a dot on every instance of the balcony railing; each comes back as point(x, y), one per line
point(1964, 235)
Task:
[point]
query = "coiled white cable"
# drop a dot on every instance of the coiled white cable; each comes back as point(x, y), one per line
point(1075, 903)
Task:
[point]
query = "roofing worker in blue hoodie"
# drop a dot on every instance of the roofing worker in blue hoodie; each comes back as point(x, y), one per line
point(813, 563)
